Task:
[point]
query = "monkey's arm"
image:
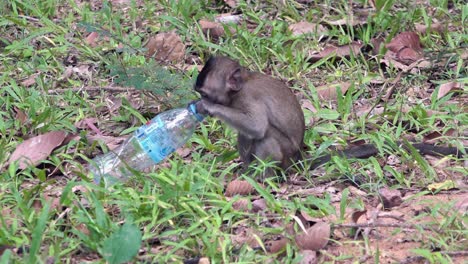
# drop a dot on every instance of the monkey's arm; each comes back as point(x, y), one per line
point(251, 121)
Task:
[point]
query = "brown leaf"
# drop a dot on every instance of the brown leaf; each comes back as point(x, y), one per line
point(357, 214)
point(204, 260)
point(275, 246)
point(245, 236)
point(435, 27)
point(308, 257)
point(166, 47)
point(307, 219)
point(29, 81)
point(339, 52)
point(53, 201)
point(355, 20)
point(308, 105)
point(377, 44)
point(91, 39)
point(111, 142)
point(21, 116)
point(241, 205)
point(405, 40)
point(83, 229)
point(83, 71)
point(113, 104)
point(211, 29)
point(315, 237)
point(32, 151)
point(259, 205)
point(83, 123)
point(228, 18)
point(231, 3)
point(121, 2)
point(240, 187)
point(88, 123)
point(405, 48)
point(445, 88)
point(408, 55)
point(183, 152)
point(390, 197)
point(433, 136)
point(304, 27)
point(328, 92)
point(462, 205)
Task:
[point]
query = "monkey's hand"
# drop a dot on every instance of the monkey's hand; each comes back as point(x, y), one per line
point(203, 107)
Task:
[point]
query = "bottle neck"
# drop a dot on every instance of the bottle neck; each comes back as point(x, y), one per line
point(193, 109)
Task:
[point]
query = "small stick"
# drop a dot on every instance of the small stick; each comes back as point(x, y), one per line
point(92, 88)
point(394, 225)
point(449, 253)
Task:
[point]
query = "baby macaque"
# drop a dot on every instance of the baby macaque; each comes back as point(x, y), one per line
point(264, 111)
point(266, 114)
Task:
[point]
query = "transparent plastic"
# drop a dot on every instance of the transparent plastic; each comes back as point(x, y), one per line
point(149, 144)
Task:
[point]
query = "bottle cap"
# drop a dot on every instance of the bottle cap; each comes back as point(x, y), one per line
point(192, 108)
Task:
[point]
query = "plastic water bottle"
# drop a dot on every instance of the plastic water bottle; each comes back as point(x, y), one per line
point(148, 145)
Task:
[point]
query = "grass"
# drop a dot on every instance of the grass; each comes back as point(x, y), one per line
point(53, 211)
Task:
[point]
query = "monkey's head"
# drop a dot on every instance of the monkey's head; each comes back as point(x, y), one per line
point(219, 79)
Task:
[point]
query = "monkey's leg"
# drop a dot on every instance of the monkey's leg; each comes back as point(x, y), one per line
point(244, 145)
point(269, 149)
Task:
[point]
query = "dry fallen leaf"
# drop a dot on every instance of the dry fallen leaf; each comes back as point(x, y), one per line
point(211, 29)
point(423, 28)
point(238, 187)
point(462, 205)
point(29, 81)
point(405, 40)
point(21, 116)
point(315, 237)
point(166, 47)
point(204, 261)
point(32, 151)
point(405, 48)
point(183, 152)
point(304, 27)
point(111, 142)
point(390, 197)
point(259, 205)
point(275, 246)
point(434, 136)
point(228, 18)
point(339, 52)
point(445, 185)
point(231, 3)
point(445, 88)
point(241, 205)
point(328, 92)
point(91, 39)
point(308, 257)
point(357, 214)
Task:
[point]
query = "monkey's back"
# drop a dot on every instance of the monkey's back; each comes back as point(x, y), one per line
point(282, 107)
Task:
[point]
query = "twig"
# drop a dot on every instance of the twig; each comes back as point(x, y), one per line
point(33, 19)
point(394, 225)
point(92, 88)
point(449, 253)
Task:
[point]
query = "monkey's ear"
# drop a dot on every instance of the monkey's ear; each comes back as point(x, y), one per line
point(234, 80)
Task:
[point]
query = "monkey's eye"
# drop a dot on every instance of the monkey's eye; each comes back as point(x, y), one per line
point(203, 94)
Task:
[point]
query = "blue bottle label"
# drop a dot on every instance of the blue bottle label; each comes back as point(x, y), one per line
point(154, 140)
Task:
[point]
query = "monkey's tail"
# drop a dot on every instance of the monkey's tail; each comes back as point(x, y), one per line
point(368, 150)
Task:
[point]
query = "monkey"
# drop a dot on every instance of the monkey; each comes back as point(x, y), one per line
point(267, 115)
point(253, 104)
